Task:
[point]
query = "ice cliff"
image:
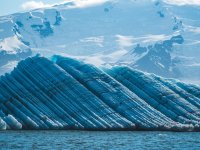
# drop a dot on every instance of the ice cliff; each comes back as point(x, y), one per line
point(63, 93)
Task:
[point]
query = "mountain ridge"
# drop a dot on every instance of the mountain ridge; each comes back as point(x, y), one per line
point(105, 34)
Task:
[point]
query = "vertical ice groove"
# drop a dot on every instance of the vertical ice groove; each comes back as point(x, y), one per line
point(39, 83)
point(42, 88)
point(69, 93)
point(98, 89)
point(165, 94)
point(35, 91)
point(145, 96)
point(138, 79)
point(50, 86)
point(192, 89)
point(75, 91)
point(15, 107)
point(19, 101)
point(184, 94)
point(28, 101)
point(107, 89)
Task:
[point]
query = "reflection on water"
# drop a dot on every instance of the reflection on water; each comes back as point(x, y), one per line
point(98, 140)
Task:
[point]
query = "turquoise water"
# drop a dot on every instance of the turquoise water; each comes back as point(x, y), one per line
point(98, 140)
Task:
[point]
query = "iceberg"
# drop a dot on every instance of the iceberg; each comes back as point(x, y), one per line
point(64, 93)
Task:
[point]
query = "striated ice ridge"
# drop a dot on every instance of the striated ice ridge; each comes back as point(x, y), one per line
point(64, 93)
point(172, 101)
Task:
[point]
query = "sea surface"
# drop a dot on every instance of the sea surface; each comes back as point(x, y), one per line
point(122, 140)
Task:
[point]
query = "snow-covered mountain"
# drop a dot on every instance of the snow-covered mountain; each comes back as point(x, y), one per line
point(149, 35)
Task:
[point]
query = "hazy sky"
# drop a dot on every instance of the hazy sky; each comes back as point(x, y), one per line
point(12, 6)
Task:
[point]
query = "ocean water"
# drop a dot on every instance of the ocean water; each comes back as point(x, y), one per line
point(51, 140)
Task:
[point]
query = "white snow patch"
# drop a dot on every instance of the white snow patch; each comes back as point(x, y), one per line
point(125, 41)
point(161, 65)
point(88, 3)
point(194, 65)
point(80, 3)
point(193, 29)
point(96, 40)
point(10, 65)
point(10, 44)
point(95, 60)
point(34, 4)
point(129, 41)
point(101, 59)
point(98, 59)
point(117, 54)
point(154, 38)
point(195, 42)
point(151, 38)
point(183, 2)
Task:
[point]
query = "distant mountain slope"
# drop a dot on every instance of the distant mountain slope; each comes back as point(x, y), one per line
point(155, 58)
point(137, 33)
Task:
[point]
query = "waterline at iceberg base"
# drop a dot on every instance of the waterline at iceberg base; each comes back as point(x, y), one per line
point(65, 93)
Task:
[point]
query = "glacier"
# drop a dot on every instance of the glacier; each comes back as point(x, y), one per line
point(64, 93)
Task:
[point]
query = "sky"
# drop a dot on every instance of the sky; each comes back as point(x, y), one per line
point(12, 6)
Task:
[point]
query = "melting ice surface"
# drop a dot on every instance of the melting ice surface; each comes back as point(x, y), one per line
point(65, 93)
